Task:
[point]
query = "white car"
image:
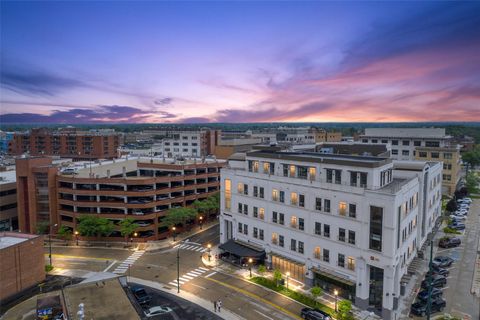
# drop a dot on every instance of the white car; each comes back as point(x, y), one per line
point(468, 200)
point(457, 217)
point(157, 310)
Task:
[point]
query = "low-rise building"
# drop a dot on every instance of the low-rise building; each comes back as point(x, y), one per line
point(22, 263)
point(344, 222)
point(8, 201)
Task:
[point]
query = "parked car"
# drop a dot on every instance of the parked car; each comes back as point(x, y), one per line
point(436, 293)
point(142, 223)
point(439, 271)
point(457, 225)
point(443, 261)
point(449, 242)
point(458, 217)
point(438, 281)
point(314, 314)
point(138, 212)
point(141, 295)
point(420, 308)
point(157, 310)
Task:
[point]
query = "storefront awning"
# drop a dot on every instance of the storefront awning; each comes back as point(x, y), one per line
point(235, 248)
point(334, 276)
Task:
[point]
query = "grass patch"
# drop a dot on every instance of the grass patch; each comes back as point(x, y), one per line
point(451, 230)
point(48, 268)
point(307, 300)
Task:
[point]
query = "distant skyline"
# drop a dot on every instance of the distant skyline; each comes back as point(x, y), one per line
point(239, 61)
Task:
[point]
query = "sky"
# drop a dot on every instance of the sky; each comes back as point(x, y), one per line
point(239, 61)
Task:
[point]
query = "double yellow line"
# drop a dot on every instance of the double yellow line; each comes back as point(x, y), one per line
point(256, 297)
point(78, 257)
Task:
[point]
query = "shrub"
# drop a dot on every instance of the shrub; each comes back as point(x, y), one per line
point(451, 230)
point(277, 275)
point(345, 310)
point(48, 268)
point(315, 292)
point(262, 269)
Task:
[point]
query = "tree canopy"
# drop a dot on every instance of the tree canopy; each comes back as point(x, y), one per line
point(92, 226)
point(127, 227)
point(179, 215)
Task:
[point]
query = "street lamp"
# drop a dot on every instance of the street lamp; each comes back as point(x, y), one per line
point(209, 247)
point(76, 237)
point(201, 222)
point(50, 242)
point(250, 260)
point(174, 233)
point(288, 275)
point(335, 293)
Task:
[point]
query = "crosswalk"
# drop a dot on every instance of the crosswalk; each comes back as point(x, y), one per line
point(191, 247)
point(189, 276)
point(123, 267)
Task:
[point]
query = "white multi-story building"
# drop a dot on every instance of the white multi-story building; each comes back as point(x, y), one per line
point(429, 174)
point(338, 221)
point(404, 141)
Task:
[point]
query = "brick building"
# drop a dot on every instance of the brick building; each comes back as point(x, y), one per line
point(22, 262)
point(67, 142)
point(8, 201)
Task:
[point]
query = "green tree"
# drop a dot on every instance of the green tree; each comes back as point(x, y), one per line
point(127, 227)
point(64, 233)
point(201, 206)
point(345, 310)
point(277, 275)
point(105, 227)
point(92, 226)
point(315, 292)
point(43, 227)
point(471, 182)
point(262, 269)
point(180, 215)
point(471, 158)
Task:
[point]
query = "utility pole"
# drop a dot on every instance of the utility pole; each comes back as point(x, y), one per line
point(178, 270)
point(430, 280)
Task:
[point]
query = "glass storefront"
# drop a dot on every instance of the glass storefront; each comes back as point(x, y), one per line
point(330, 283)
point(296, 269)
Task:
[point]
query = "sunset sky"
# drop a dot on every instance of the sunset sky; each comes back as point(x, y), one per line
point(242, 61)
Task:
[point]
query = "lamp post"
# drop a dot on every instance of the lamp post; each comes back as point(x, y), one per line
point(201, 222)
point(178, 270)
point(76, 237)
point(50, 242)
point(335, 293)
point(209, 247)
point(250, 260)
point(174, 233)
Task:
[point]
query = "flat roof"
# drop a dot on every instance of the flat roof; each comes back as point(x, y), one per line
point(437, 133)
point(8, 241)
point(8, 176)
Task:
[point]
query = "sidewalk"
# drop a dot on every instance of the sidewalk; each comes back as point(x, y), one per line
point(208, 305)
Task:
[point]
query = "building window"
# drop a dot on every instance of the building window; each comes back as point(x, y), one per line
point(292, 171)
point(352, 210)
point(351, 263)
point(293, 222)
point(255, 191)
point(317, 253)
point(329, 175)
point(341, 260)
point(318, 228)
point(326, 255)
point(300, 247)
point(245, 209)
point(318, 204)
point(239, 227)
point(312, 172)
point(376, 226)
point(281, 241)
point(266, 167)
point(274, 217)
point(326, 205)
point(293, 244)
point(262, 194)
point(301, 200)
point(281, 219)
point(447, 155)
point(435, 155)
point(255, 212)
point(351, 237)
point(364, 140)
point(338, 176)
point(432, 144)
point(285, 170)
point(374, 141)
point(417, 143)
point(301, 224)
point(261, 234)
point(255, 232)
point(261, 213)
point(384, 141)
point(255, 166)
point(405, 152)
point(394, 151)
point(245, 229)
point(302, 172)
point(274, 238)
point(363, 179)
point(406, 142)
point(422, 154)
point(341, 234)
point(394, 142)
point(282, 196)
point(342, 208)
point(326, 230)
point(353, 179)
point(240, 208)
point(294, 198)
point(228, 194)
point(275, 194)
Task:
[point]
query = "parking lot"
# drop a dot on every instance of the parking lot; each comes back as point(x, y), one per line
point(181, 309)
point(460, 302)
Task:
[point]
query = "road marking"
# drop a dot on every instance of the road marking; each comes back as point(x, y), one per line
point(181, 282)
point(188, 277)
point(75, 257)
point(111, 265)
point(175, 246)
point(193, 274)
point(201, 271)
point(123, 267)
point(263, 314)
point(184, 279)
point(210, 274)
point(199, 249)
point(196, 285)
point(203, 268)
point(256, 297)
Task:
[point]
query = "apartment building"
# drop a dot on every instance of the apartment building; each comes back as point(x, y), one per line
point(140, 188)
point(23, 263)
point(339, 221)
point(450, 156)
point(425, 144)
point(67, 142)
point(429, 173)
point(8, 201)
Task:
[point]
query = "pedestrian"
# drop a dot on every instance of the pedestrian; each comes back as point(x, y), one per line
point(215, 305)
point(219, 304)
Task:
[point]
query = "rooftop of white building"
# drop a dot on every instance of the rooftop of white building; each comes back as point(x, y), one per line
point(8, 177)
point(437, 133)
